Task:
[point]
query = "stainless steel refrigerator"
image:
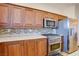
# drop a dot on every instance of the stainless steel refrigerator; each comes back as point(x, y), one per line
point(70, 35)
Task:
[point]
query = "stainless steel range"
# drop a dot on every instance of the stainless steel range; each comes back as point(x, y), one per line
point(54, 43)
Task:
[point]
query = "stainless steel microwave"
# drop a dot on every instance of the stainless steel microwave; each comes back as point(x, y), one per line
point(50, 23)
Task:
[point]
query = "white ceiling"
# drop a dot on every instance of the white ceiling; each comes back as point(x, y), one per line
point(59, 8)
point(55, 5)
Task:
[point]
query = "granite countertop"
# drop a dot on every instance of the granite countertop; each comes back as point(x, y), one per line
point(53, 36)
point(17, 37)
point(21, 37)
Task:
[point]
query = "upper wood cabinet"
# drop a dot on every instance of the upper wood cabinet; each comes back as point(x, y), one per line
point(4, 16)
point(50, 15)
point(53, 16)
point(38, 22)
point(29, 17)
point(33, 18)
point(16, 16)
point(61, 17)
point(12, 16)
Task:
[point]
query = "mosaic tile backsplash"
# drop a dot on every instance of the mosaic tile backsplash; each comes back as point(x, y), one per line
point(28, 31)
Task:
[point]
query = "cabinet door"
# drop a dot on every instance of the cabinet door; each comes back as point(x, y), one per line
point(30, 48)
point(4, 15)
point(50, 15)
point(45, 15)
point(16, 16)
point(14, 48)
point(41, 47)
point(61, 17)
point(53, 16)
point(29, 18)
point(26, 48)
point(2, 49)
point(39, 19)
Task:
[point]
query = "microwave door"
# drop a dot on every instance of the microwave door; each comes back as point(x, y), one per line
point(53, 24)
point(48, 23)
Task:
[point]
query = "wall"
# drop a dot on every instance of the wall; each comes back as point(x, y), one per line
point(70, 11)
point(77, 10)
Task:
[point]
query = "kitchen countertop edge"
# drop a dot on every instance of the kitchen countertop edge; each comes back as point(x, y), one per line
point(10, 39)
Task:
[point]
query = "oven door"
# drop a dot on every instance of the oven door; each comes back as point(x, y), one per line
point(54, 47)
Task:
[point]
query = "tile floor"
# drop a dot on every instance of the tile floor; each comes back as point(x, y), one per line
point(76, 53)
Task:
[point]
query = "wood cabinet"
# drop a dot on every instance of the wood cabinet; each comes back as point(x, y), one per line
point(42, 47)
point(13, 16)
point(4, 16)
point(38, 19)
point(60, 17)
point(35, 47)
point(50, 15)
point(14, 48)
point(29, 17)
point(11, 48)
point(33, 18)
point(16, 16)
point(25, 48)
point(2, 49)
point(53, 16)
point(30, 49)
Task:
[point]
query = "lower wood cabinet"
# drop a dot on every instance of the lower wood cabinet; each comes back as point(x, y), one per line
point(29, 48)
point(41, 47)
point(34, 47)
point(11, 48)
point(14, 49)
